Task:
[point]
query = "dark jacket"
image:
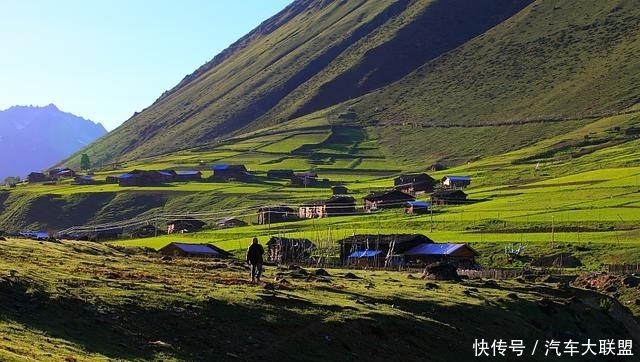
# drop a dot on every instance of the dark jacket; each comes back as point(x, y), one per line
point(254, 254)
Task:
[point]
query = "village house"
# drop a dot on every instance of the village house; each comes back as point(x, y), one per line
point(459, 254)
point(193, 250)
point(231, 172)
point(312, 209)
point(307, 178)
point(458, 182)
point(275, 214)
point(378, 250)
point(84, 180)
point(448, 197)
point(61, 172)
point(187, 175)
point(417, 207)
point(230, 222)
point(334, 206)
point(146, 231)
point(111, 179)
point(37, 177)
point(280, 174)
point(186, 224)
point(414, 183)
point(339, 190)
point(144, 178)
point(386, 199)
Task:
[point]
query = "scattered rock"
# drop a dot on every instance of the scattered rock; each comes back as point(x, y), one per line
point(513, 296)
point(440, 271)
point(631, 281)
point(491, 284)
point(351, 276)
point(322, 272)
point(268, 286)
point(431, 285)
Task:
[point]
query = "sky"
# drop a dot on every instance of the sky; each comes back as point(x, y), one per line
point(103, 60)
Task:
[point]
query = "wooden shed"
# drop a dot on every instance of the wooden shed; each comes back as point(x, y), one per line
point(289, 250)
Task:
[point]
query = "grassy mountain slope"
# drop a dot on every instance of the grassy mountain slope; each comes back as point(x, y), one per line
point(294, 63)
point(76, 301)
point(553, 60)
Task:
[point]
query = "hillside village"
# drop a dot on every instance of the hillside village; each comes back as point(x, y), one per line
point(389, 251)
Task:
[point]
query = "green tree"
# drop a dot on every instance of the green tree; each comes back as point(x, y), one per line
point(85, 163)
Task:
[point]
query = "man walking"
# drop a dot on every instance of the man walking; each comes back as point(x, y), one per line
point(254, 258)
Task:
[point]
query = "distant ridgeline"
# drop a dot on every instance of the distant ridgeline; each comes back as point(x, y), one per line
point(36, 138)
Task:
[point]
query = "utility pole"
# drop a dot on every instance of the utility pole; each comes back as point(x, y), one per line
point(431, 217)
point(553, 234)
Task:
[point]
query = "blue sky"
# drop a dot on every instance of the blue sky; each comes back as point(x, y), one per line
point(103, 60)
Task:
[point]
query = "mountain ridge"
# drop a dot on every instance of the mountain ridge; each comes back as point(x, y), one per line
point(34, 137)
point(422, 62)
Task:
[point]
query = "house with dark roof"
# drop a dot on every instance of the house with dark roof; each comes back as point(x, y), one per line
point(144, 178)
point(186, 224)
point(334, 206)
point(276, 214)
point(37, 177)
point(61, 172)
point(448, 197)
point(84, 180)
point(339, 190)
point(307, 178)
point(146, 231)
point(194, 250)
point(459, 254)
point(288, 250)
point(378, 247)
point(280, 174)
point(236, 172)
point(188, 175)
point(414, 183)
point(455, 181)
point(230, 222)
point(386, 199)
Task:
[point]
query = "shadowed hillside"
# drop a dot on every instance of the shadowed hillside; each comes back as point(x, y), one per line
point(295, 63)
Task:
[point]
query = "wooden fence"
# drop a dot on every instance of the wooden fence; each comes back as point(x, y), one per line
point(623, 268)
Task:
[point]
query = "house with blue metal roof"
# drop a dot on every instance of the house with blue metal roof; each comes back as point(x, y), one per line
point(365, 246)
point(417, 207)
point(231, 172)
point(459, 254)
point(193, 250)
point(455, 181)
